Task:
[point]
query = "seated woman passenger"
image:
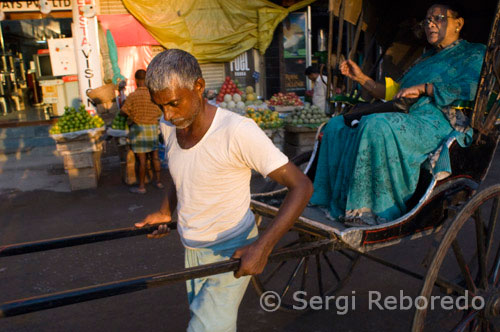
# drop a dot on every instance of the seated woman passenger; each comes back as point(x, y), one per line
point(366, 174)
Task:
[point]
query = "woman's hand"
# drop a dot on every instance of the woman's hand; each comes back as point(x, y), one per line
point(415, 91)
point(156, 218)
point(350, 69)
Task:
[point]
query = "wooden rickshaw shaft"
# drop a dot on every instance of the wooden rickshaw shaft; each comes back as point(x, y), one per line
point(75, 240)
point(37, 303)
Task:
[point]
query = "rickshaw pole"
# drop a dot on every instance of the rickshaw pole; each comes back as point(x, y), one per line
point(37, 303)
point(75, 240)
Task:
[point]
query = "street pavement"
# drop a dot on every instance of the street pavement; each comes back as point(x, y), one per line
point(37, 213)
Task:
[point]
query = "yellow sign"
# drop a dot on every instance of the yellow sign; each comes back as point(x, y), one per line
point(33, 6)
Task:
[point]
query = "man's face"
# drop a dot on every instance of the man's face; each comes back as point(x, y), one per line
point(180, 106)
point(313, 76)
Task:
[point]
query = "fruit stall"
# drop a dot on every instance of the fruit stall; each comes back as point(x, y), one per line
point(284, 117)
point(301, 126)
point(245, 102)
point(79, 140)
point(301, 121)
point(232, 98)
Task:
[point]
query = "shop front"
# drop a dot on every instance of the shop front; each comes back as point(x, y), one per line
point(34, 86)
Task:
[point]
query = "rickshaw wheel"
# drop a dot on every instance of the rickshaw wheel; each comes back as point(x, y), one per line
point(297, 280)
point(470, 249)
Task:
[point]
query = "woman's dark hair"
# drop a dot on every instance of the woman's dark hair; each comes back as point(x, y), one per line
point(453, 6)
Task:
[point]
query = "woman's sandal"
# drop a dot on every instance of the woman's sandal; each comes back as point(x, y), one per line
point(137, 190)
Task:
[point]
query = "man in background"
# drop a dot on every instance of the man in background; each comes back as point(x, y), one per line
point(143, 135)
point(319, 89)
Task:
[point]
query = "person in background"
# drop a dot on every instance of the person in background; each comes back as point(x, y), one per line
point(120, 99)
point(319, 89)
point(144, 115)
point(210, 161)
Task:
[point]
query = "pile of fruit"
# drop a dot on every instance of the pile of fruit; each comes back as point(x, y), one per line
point(73, 120)
point(250, 97)
point(233, 103)
point(119, 122)
point(308, 115)
point(228, 88)
point(237, 102)
point(285, 99)
point(265, 118)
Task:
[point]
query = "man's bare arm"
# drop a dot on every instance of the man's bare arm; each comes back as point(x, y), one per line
point(164, 215)
point(254, 256)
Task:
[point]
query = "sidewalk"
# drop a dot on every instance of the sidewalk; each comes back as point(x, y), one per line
point(40, 168)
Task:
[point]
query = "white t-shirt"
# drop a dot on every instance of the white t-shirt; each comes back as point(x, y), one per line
point(319, 92)
point(212, 178)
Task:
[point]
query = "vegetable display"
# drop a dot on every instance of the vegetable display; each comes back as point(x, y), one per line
point(119, 122)
point(236, 100)
point(265, 118)
point(75, 120)
point(307, 115)
point(285, 99)
point(228, 88)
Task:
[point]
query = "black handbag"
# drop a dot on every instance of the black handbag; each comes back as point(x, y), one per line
point(401, 105)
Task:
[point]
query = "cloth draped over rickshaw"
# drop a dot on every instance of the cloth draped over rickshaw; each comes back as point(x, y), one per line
point(211, 30)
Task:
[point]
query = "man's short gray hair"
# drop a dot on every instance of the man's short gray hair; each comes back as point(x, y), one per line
point(172, 68)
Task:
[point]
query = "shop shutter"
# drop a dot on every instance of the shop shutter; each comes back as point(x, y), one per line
point(213, 73)
point(109, 7)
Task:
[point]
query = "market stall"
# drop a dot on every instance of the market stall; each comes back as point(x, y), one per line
point(79, 140)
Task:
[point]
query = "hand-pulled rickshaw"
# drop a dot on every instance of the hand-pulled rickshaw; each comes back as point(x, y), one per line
point(319, 254)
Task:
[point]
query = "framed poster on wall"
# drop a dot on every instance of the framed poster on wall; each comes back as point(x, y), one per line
point(294, 52)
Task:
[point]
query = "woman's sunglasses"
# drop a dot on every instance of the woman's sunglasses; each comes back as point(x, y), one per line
point(436, 19)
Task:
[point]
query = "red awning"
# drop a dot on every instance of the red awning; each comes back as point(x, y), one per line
point(126, 30)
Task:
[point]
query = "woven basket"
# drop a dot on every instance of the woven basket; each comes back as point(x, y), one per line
point(102, 94)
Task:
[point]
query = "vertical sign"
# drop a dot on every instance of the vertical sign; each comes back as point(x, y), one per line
point(294, 46)
point(86, 49)
point(242, 69)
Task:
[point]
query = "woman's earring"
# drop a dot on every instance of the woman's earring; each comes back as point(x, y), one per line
point(457, 30)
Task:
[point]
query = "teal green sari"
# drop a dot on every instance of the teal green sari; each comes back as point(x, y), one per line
point(374, 168)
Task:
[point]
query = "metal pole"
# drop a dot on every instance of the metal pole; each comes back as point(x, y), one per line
point(75, 240)
point(2, 44)
point(308, 44)
point(329, 60)
point(339, 43)
point(37, 303)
